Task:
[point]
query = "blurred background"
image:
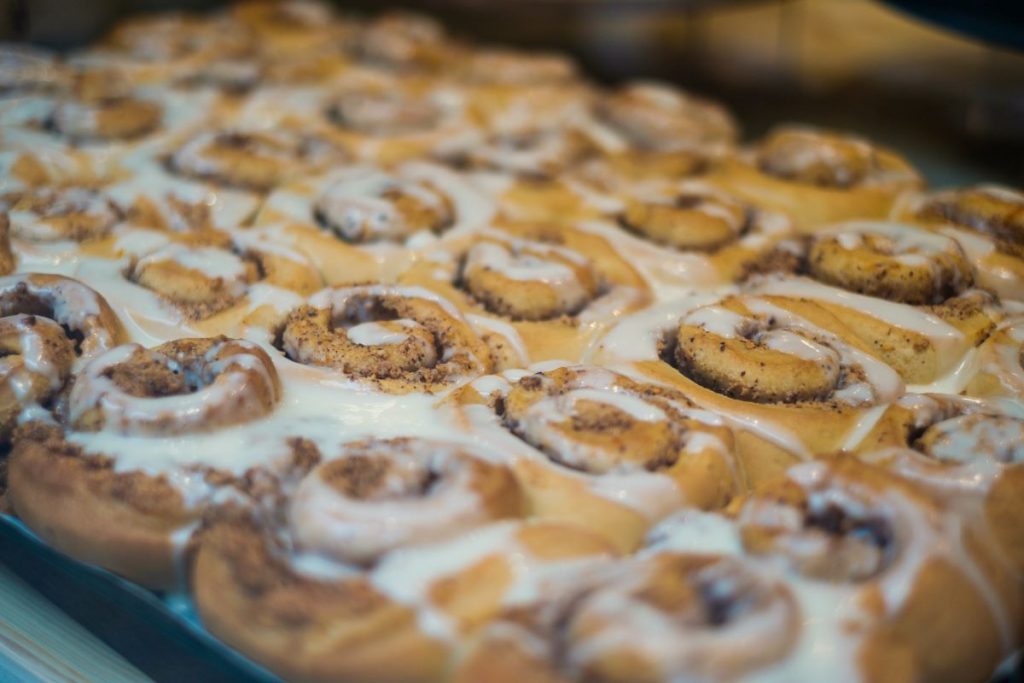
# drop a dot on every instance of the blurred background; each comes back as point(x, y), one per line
point(942, 81)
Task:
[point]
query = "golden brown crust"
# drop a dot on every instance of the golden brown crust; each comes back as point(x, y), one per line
point(302, 628)
point(76, 501)
point(581, 422)
point(817, 178)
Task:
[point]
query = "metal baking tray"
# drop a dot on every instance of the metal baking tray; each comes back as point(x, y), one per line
point(158, 633)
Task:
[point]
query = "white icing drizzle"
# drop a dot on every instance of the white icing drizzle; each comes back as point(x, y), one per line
point(415, 542)
point(944, 336)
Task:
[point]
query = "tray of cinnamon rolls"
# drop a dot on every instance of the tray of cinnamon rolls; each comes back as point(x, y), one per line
point(402, 358)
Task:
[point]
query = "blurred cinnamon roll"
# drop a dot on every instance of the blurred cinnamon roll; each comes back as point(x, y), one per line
point(690, 234)
point(219, 286)
point(405, 41)
point(391, 119)
point(658, 617)
point(512, 68)
point(987, 221)
point(1000, 370)
point(817, 177)
point(656, 116)
point(103, 108)
point(604, 451)
point(888, 549)
point(399, 339)
point(281, 29)
point(254, 160)
point(48, 324)
point(969, 454)
point(158, 49)
point(365, 224)
point(25, 69)
point(547, 289)
point(73, 214)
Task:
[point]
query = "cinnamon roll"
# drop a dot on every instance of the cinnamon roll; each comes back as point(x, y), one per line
point(49, 323)
point(968, 453)
point(603, 451)
point(398, 339)
point(254, 160)
point(412, 589)
point(776, 369)
point(882, 549)
point(405, 41)
point(282, 29)
point(656, 116)
point(1000, 370)
point(513, 68)
point(534, 155)
point(103, 108)
point(58, 214)
point(619, 173)
point(388, 120)
point(227, 287)
point(690, 234)
point(905, 292)
point(132, 390)
point(657, 617)
point(364, 224)
point(817, 177)
point(160, 49)
point(987, 221)
point(547, 289)
point(25, 165)
point(70, 484)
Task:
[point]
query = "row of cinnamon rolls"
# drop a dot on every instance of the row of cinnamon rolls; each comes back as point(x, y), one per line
point(312, 518)
point(414, 360)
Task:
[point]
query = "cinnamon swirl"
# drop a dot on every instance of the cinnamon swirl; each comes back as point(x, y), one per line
point(660, 616)
point(882, 549)
point(66, 484)
point(387, 120)
point(817, 177)
point(905, 292)
point(656, 116)
point(987, 221)
point(254, 160)
point(408, 600)
point(364, 224)
point(547, 289)
point(397, 339)
point(691, 234)
point(604, 451)
point(969, 454)
point(777, 369)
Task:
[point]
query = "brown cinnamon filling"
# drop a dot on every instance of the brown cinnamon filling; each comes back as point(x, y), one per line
point(384, 113)
point(982, 211)
point(378, 478)
point(816, 159)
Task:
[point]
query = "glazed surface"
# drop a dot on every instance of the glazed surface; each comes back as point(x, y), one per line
point(413, 359)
